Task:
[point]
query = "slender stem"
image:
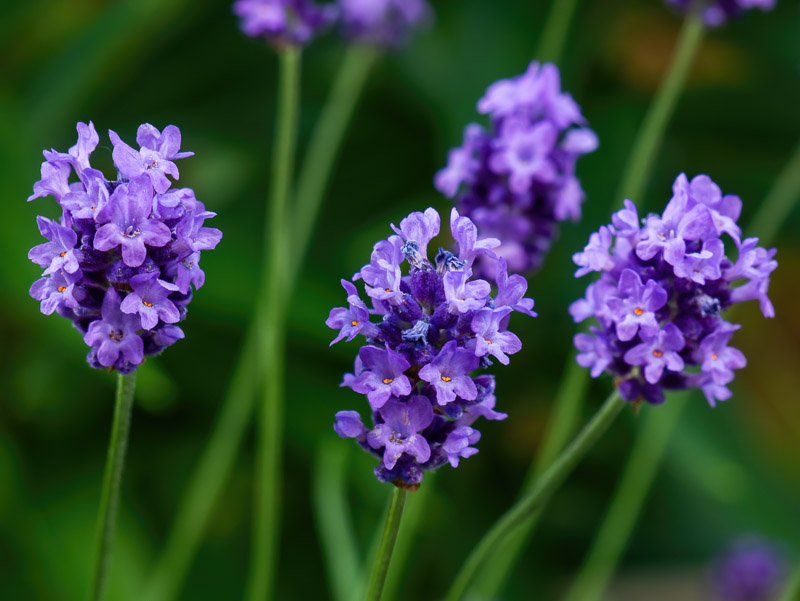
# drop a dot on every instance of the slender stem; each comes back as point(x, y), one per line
point(271, 335)
point(792, 592)
point(779, 202)
point(560, 426)
point(323, 148)
point(384, 556)
point(112, 479)
point(627, 502)
point(333, 519)
point(206, 482)
point(214, 467)
point(555, 30)
point(536, 498)
point(648, 140)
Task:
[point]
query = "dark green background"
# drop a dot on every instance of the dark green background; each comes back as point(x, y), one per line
point(731, 470)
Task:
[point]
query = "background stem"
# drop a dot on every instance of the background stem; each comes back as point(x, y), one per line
point(384, 556)
point(648, 141)
point(112, 479)
point(271, 334)
point(555, 30)
point(535, 498)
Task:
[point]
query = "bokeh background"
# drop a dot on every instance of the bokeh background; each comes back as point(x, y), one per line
point(728, 471)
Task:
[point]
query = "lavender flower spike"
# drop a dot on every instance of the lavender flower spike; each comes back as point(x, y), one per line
point(662, 290)
point(382, 22)
point(437, 327)
point(516, 180)
point(121, 260)
point(283, 22)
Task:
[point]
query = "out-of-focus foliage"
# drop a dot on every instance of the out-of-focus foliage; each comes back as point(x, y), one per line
point(729, 470)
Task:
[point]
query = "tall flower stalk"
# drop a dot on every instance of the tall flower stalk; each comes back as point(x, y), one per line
point(271, 333)
point(535, 499)
point(112, 482)
point(381, 566)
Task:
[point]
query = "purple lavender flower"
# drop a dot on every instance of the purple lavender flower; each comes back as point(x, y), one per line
point(718, 12)
point(121, 260)
point(283, 22)
point(382, 22)
point(663, 286)
point(437, 327)
point(751, 570)
point(516, 180)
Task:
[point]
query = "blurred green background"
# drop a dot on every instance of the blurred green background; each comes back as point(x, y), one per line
point(730, 470)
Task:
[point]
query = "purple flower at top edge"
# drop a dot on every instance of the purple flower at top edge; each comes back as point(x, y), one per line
point(516, 180)
point(719, 12)
point(399, 433)
point(447, 373)
point(383, 375)
point(420, 358)
point(115, 334)
point(128, 223)
point(663, 289)
point(292, 22)
point(384, 23)
point(148, 161)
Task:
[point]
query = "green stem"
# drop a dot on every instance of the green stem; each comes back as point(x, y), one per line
point(651, 133)
point(384, 556)
point(627, 502)
point(560, 426)
point(112, 479)
point(536, 498)
point(271, 337)
point(332, 515)
point(792, 592)
point(555, 30)
point(206, 482)
point(779, 202)
point(325, 142)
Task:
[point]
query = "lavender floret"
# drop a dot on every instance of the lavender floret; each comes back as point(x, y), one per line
point(664, 284)
point(751, 570)
point(122, 259)
point(719, 12)
point(438, 326)
point(516, 179)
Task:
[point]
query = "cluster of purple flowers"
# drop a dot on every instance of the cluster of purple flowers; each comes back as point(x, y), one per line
point(664, 284)
point(751, 570)
point(437, 326)
point(718, 12)
point(296, 22)
point(121, 260)
point(516, 180)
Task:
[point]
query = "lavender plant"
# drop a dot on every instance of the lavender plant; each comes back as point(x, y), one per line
point(122, 259)
point(120, 263)
point(665, 283)
point(516, 180)
point(719, 12)
point(438, 326)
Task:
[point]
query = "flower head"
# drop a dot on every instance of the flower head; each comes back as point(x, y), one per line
point(516, 180)
point(664, 283)
point(382, 22)
point(283, 22)
point(437, 327)
point(718, 12)
point(121, 260)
